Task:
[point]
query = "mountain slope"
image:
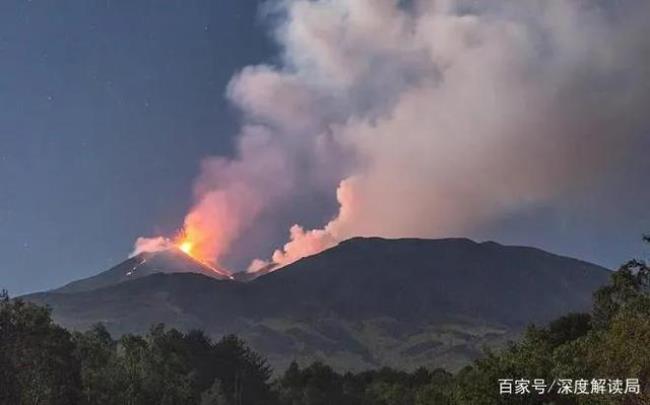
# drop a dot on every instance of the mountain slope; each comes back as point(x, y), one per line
point(365, 303)
point(425, 278)
point(143, 265)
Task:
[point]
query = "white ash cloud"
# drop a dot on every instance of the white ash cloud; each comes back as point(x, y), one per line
point(458, 112)
point(151, 245)
point(429, 120)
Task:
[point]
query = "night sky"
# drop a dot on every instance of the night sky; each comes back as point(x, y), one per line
point(108, 107)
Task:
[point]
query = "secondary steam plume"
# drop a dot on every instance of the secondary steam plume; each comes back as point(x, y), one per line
point(433, 117)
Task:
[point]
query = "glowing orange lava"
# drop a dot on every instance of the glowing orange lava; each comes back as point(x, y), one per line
point(193, 249)
point(191, 246)
point(186, 247)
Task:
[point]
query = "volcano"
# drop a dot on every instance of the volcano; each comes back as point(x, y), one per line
point(366, 303)
point(167, 261)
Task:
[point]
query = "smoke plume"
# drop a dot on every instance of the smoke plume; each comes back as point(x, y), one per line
point(430, 118)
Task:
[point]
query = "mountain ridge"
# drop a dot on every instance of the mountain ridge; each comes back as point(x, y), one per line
point(365, 303)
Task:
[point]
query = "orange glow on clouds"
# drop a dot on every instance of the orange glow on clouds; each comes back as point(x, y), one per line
point(196, 242)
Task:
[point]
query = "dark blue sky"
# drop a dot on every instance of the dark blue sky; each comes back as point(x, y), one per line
point(106, 109)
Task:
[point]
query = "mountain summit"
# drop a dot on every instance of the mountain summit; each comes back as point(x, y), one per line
point(167, 261)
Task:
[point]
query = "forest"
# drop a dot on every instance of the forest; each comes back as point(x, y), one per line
point(604, 355)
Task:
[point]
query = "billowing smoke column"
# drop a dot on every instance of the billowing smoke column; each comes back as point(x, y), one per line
point(433, 117)
point(230, 194)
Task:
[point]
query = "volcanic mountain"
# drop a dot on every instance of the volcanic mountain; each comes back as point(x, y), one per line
point(172, 260)
point(367, 302)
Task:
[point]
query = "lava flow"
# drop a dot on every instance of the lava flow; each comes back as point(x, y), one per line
point(184, 243)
